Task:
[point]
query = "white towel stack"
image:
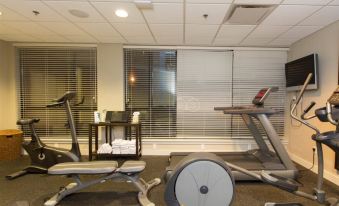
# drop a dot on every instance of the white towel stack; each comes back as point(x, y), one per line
point(123, 146)
point(105, 149)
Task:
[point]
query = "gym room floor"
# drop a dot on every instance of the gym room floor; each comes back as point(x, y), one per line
point(37, 188)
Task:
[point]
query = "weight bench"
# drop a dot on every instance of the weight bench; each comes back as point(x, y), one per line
point(129, 172)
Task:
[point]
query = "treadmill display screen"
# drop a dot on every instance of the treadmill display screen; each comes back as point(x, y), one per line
point(258, 99)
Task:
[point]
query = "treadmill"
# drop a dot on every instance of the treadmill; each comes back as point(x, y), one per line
point(276, 161)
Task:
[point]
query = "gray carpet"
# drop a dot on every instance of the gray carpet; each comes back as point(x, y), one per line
point(36, 188)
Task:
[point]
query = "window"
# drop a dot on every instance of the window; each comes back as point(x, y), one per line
point(176, 90)
point(204, 81)
point(46, 74)
point(150, 83)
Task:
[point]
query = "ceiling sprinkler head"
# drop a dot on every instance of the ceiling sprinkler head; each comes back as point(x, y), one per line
point(205, 16)
point(35, 12)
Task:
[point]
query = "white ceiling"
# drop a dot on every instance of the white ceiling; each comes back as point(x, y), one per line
point(170, 22)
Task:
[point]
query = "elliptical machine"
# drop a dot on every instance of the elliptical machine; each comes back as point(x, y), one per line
point(43, 156)
point(205, 179)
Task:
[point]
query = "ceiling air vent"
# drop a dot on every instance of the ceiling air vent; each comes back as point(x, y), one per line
point(248, 14)
point(143, 4)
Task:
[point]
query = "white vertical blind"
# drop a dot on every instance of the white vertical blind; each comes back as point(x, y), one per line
point(253, 70)
point(150, 88)
point(204, 81)
point(46, 73)
point(196, 82)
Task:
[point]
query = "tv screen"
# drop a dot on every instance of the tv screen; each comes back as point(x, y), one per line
point(296, 72)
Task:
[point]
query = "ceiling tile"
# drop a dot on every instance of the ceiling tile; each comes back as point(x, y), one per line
point(200, 30)
point(174, 30)
point(198, 40)
point(282, 42)
point(209, 1)
point(81, 38)
point(323, 17)
point(235, 31)
point(107, 9)
point(108, 0)
point(25, 8)
point(299, 32)
point(132, 29)
point(257, 1)
point(168, 1)
point(29, 27)
point(110, 39)
point(307, 2)
point(256, 41)
point(200, 34)
point(63, 28)
point(140, 40)
point(99, 29)
point(335, 2)
point(216, 13)
point(165, 13)
point(166, 34)
point(6, 29)
point(155, 1)
point(267, 31)
point(52, 38)
point(64, 7)
point(19, 38)
point(169, 40)
point(289, 14)
point(9, 15)
point(223, 41)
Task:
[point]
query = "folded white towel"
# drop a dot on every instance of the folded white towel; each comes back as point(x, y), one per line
point(120, 146)
point(105, 149)
point(116, 151)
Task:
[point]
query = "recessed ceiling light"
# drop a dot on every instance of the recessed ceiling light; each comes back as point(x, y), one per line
point(0, 13)
point(121, 13)
point(78, 13)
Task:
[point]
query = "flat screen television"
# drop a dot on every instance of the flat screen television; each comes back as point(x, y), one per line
point(296, 72)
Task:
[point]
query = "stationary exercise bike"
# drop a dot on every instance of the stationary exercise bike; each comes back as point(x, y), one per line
point(43, 156)
point(205, 179)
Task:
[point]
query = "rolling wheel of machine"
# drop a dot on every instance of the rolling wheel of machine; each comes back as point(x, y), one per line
point(202, 179)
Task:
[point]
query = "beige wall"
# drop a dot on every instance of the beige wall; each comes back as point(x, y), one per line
point(110, 81)
point(110, 77)
point(8, 106)
point(325, 43)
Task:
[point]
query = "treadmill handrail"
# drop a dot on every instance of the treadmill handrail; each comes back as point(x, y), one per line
point(297, 101)
point(247, 109)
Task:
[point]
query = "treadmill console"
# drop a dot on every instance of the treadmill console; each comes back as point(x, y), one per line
point(334, 99)
point(262, 95)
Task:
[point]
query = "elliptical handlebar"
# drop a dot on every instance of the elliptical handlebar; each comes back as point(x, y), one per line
point(303, 89)
point(297, 101)
point(307, 110)
point(329, 114)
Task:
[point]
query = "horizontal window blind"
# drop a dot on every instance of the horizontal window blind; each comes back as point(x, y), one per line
point(252, 71)
point(204, 81)
point(150, 83)
point(46, 73)
point(177, 99)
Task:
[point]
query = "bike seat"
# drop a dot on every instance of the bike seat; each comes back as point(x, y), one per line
point(330, 139)
point(27, 121)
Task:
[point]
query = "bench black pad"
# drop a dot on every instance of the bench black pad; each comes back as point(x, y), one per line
point(132, 167)
point(95, 167)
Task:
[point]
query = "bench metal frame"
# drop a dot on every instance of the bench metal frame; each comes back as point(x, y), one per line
point(134, 178)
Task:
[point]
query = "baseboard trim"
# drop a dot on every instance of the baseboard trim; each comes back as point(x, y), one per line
point(330, 176)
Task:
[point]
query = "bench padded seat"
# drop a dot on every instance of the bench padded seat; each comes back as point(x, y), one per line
point(95, 167)
point(132, 167)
